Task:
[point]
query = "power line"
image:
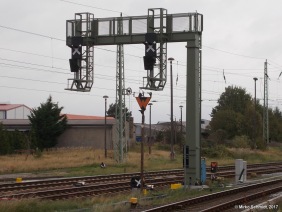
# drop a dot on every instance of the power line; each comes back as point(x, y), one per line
point(25, 67)
point(49, 37)
point(227, 52)
point(34, 64)
point(31, 33)
point(102, 76)
point(105, 77)
point(34, 54)
point(59, 39)
point(45, 36)
point(240, 55)
point(98, 8)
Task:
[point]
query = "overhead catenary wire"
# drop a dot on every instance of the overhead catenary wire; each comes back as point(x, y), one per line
point(88, 6)
point(53, 38)
point(103, 76)
point(67, 69)
point(50, 37)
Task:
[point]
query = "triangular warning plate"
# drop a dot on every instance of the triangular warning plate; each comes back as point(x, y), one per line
point(143, 102)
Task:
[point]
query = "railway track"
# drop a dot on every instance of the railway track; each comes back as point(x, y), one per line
point(85, 191)
point(63, 188)
point(222, 201)
point(71, 187)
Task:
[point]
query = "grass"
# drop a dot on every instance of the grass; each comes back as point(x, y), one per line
point(82, 161)
point(44, 206)
point(117, 203)
point(257, 156)
point(77, 162)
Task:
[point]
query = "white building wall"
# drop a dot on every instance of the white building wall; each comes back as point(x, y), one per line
point(18, 113)
point(204, 123)
point(2, 114)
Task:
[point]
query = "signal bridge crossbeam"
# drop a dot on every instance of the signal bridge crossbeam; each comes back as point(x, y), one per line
point(85, 32)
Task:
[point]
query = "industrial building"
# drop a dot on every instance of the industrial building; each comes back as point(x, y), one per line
point(82, 131)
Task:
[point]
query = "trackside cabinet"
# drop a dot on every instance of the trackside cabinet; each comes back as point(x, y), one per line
point(203, 171)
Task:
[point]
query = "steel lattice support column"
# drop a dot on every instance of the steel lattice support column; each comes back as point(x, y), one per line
point(120, 142)
point(265, 106)
point(193, 110)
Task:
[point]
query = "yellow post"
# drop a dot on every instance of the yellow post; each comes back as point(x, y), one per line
point(133, 201)
point(145, 191)
point(175, 186)
point(19, 180)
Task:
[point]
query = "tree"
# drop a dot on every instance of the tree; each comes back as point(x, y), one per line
point(5, 145)
point(234, 98)
point(47, 123)
point(229, 115)
point(10, 141)
point(229, 121)
point(237, 115)
point(275, 124)
point(112, 111)
point(252, 124)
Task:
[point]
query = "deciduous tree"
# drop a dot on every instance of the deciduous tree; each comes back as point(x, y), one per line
point(234, 98)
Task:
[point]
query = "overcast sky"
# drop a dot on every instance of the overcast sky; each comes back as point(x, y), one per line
point(238, 36)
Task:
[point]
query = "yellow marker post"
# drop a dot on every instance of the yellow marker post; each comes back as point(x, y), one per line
point(175, 186)
point(19, 180)
point(133, 202)
point(145, 191)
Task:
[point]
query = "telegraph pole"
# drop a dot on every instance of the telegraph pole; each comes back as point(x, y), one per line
point(171, 110)
point(181, 106)
point(265, 107)
point(254, 133)
point(105, 136)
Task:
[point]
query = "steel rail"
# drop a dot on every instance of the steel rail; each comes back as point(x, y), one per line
point(202, 200)
point(34, 188)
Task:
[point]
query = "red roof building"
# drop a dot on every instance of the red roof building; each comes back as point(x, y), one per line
point(82, 131)
point(14, 111)
point(84, 117)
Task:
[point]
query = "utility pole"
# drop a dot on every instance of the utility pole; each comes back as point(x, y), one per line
point(265, 106)
point(105, 136)
point(181, 120)
point(255, 104)
point(171, 110)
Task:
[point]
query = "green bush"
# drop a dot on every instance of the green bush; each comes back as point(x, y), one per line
point(217, 151)
point(206, 143)
point(164, 147)
point(261, 144)
point(241, 142)
point(13, 140)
